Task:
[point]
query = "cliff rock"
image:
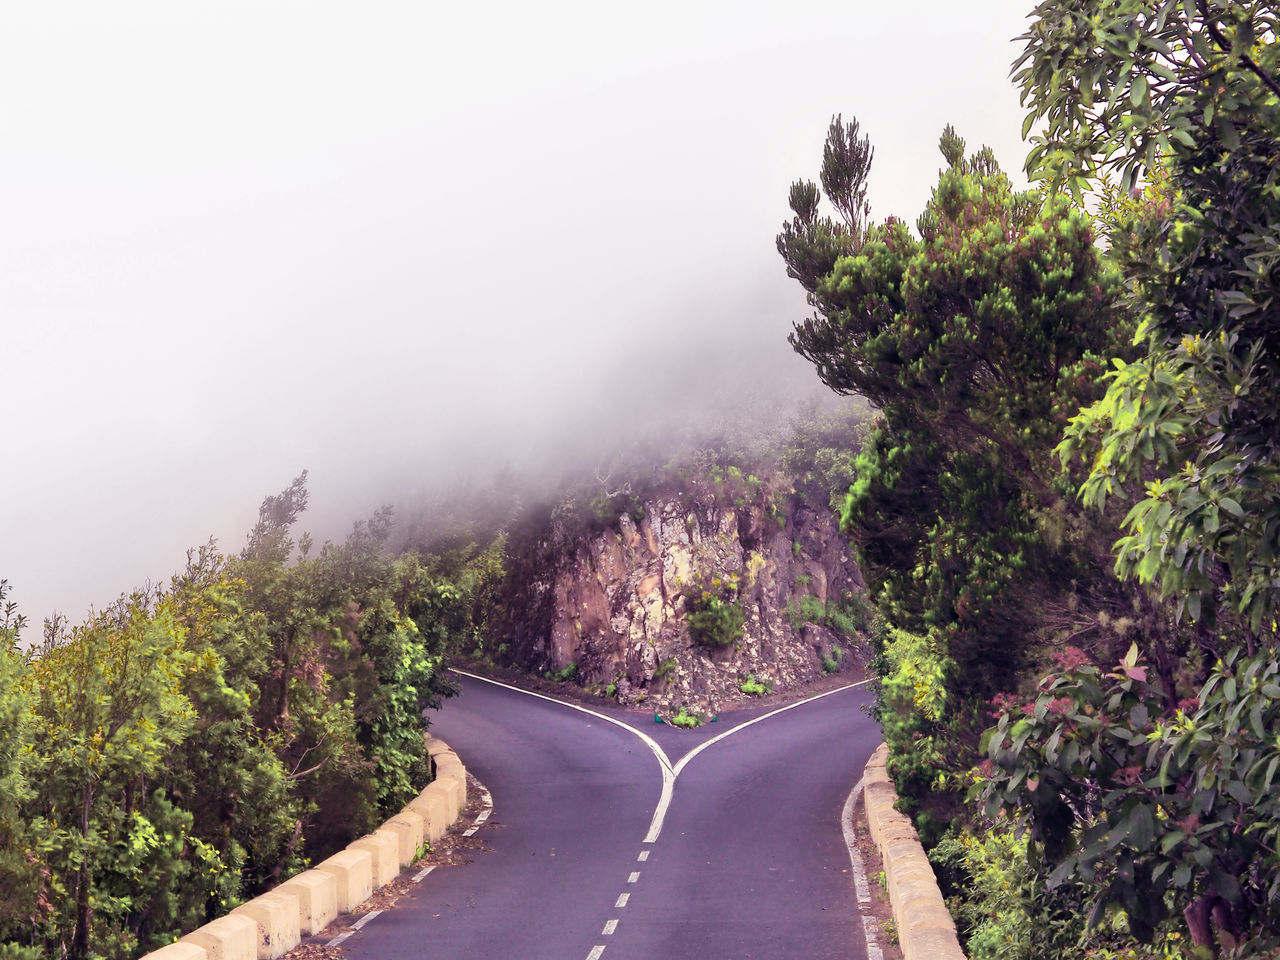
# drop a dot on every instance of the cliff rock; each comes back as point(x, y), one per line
point(610, 590)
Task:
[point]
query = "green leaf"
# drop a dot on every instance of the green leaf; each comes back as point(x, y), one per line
point(1141, 827)
point(1138, 92)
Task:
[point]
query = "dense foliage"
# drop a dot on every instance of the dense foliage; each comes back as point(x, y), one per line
point(191, 746)
point(1188, 438)
point(1128, 792)
point(977, 339)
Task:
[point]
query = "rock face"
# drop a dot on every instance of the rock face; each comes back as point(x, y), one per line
point(611, 594)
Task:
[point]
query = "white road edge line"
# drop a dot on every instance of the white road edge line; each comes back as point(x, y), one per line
point(342, 937)
point(669, 773)
point(873, 945)
point(860, 884)
point(422, 874)
point(851, 843)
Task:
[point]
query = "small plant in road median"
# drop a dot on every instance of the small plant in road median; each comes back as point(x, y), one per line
point(686, 719)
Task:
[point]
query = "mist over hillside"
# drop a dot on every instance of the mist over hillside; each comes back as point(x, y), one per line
point(406, 247)
point(536, 432)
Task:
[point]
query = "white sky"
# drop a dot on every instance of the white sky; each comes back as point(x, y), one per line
point(398, 242)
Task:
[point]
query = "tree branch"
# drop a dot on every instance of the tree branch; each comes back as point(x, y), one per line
point(1245, 60)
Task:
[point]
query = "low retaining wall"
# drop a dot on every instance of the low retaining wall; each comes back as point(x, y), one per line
point(271, 925)
point(925, 928)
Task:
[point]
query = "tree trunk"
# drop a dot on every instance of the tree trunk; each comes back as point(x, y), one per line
point(80, 940)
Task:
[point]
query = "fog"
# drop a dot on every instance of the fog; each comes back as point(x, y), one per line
point(402, 245)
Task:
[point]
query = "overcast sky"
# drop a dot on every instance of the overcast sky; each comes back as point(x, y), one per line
point(399, 243)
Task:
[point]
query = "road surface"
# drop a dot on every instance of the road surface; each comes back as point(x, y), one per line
point(616, 838)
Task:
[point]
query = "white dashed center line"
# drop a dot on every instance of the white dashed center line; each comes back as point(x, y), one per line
point(622, 899)
point(644, 855)
point(634, 877)
point(596, 952)
point(609, 927)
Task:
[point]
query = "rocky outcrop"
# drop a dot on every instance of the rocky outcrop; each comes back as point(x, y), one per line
point(612, 593)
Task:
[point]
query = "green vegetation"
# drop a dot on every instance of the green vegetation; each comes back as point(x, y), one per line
point(666, 667)
point(1068, 510)
point(190, 746)
point(831, 661)
point(851, 617)
point(755, 688)
point(685, 719)
point(563, 674)
point(715, 618)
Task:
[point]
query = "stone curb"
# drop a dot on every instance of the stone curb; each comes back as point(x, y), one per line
point(270, 925)
point(925, 928)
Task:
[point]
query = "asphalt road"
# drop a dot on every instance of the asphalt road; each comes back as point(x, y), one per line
point(722, 843)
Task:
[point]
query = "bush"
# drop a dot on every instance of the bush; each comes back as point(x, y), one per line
point(562, 675)
point(715, 618)
point(753, 687)
point(686, 719)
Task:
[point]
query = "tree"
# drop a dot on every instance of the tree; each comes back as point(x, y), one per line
point(19, 875)
point(109, 706)
point(977, 340)
point(1190, 433)
point(1164, 812)
point(1162, 802)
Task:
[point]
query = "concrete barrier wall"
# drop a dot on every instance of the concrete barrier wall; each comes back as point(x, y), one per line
point(270, 925)
point(925, 928)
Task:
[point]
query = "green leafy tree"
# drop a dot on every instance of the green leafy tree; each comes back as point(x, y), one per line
point(1167, 813)
point(19, 874)
point(243, 803)
point(976, 339)
point(109, 706)
point(1189, 434)
point(1182, 99)
point(353, 640)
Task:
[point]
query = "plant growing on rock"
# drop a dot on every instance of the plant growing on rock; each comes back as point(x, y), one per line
point(753, 687)
point(683, 718)
point(715, 618)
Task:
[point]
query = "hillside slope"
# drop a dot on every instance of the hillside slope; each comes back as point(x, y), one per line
point(677, 594)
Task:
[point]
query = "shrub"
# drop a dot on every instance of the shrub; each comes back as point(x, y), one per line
point(754, 688)
point(715, 618)
point(716, 622)
point(686, 719)
point(564, 674)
